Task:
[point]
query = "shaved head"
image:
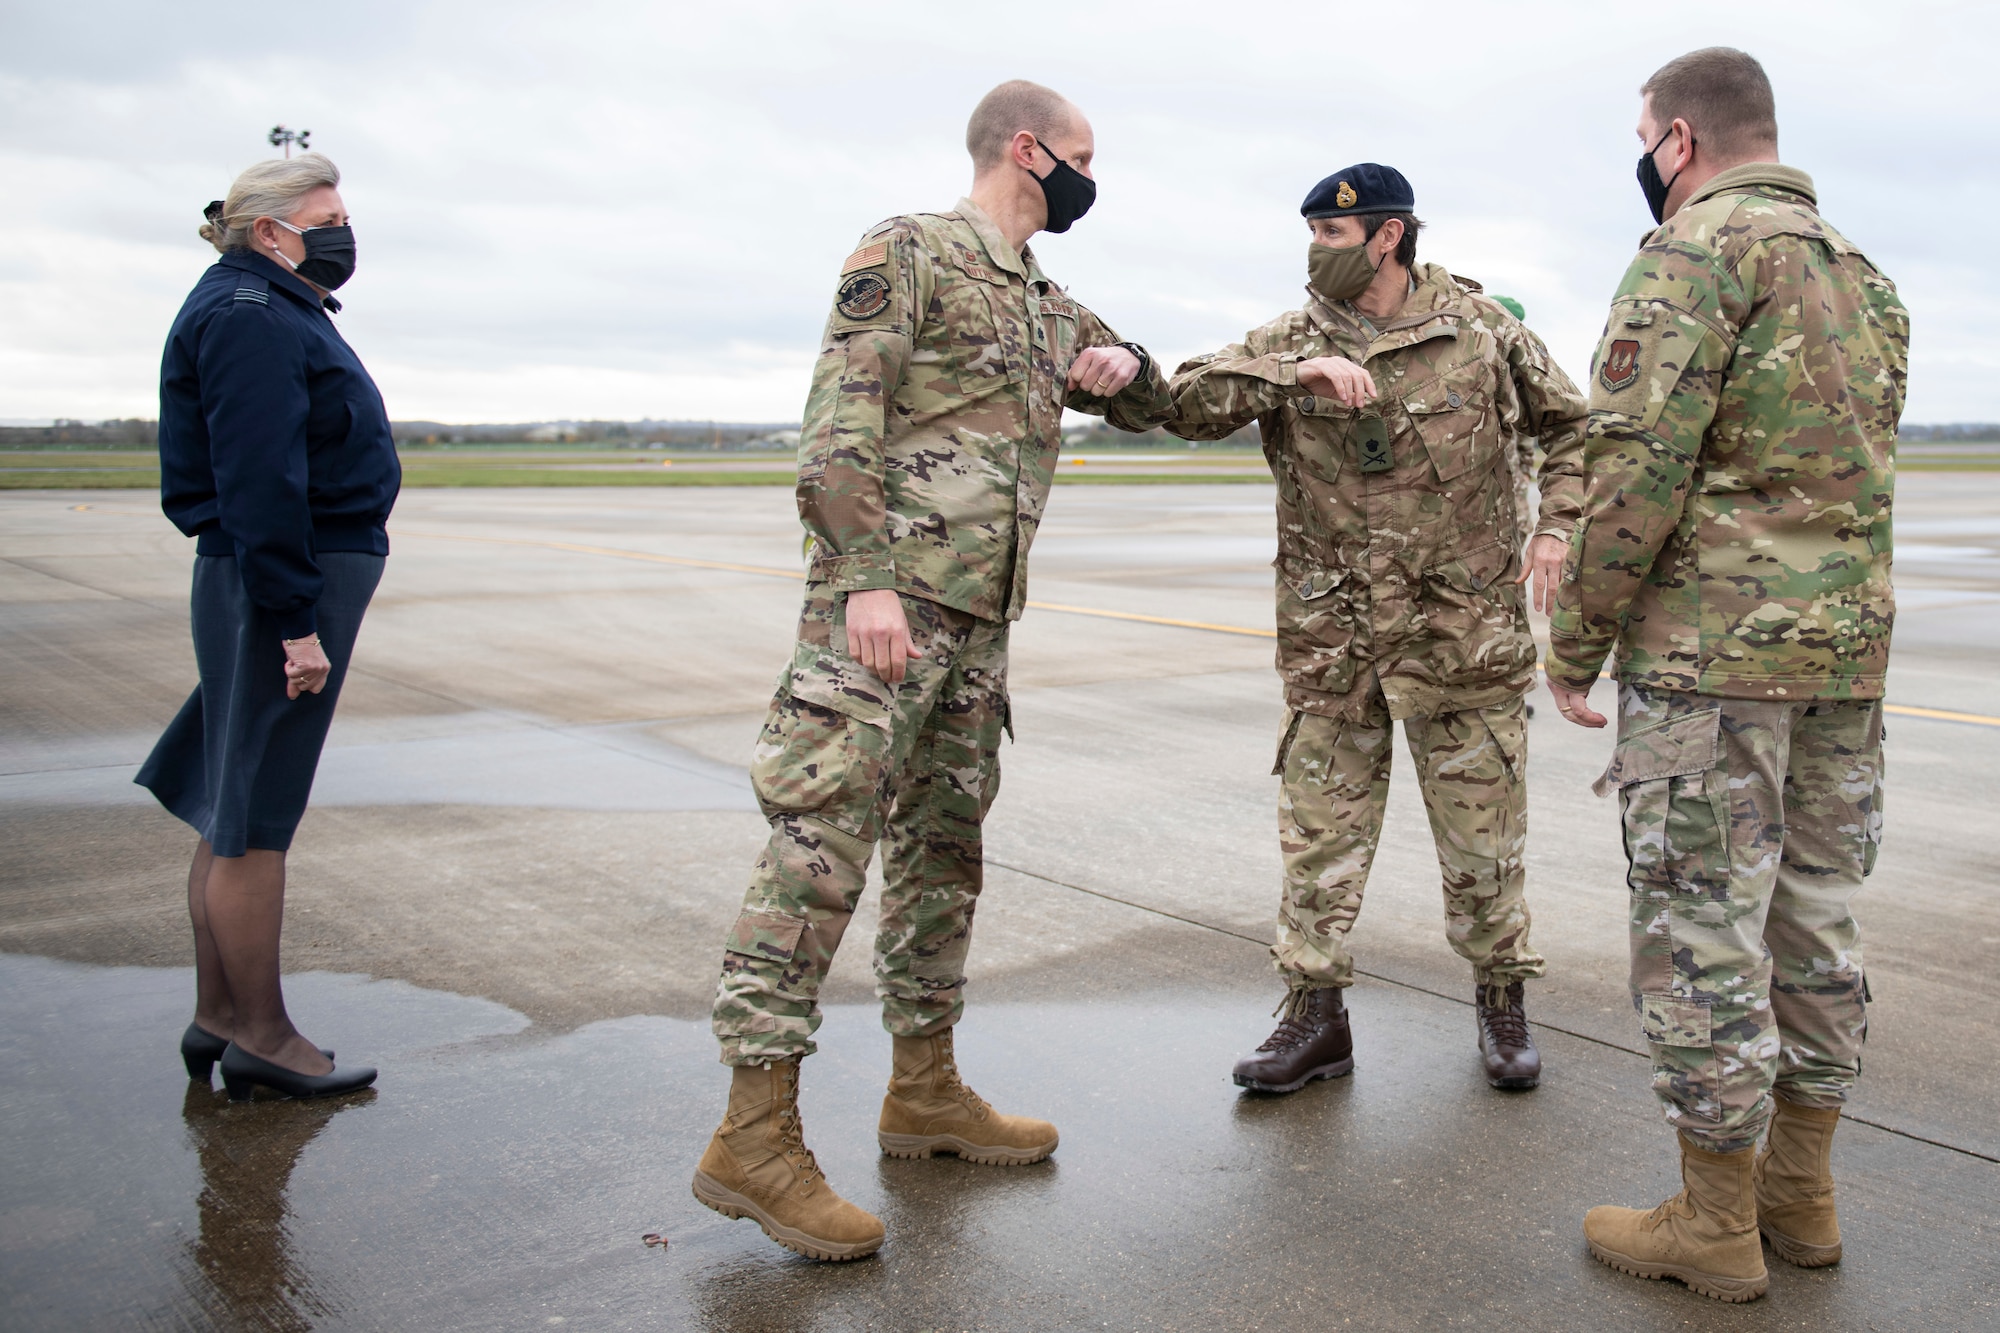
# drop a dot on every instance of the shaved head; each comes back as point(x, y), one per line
point(1014, 106)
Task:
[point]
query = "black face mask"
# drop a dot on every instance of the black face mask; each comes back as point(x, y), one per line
point(1650, 183)
point(329, 257)
point(1068, 192)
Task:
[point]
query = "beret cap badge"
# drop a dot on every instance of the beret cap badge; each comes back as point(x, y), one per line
point(1365, 187)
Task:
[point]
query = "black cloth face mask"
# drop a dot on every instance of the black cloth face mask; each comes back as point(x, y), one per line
point(1650, 183)
point(329, 257)
point(1068, 192)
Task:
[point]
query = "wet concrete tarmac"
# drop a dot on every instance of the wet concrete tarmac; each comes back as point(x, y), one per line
point(532, 826)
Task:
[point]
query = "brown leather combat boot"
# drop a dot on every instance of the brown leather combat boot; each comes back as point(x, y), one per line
point(1505, 1044)
point(1795, 1185)
point(929, 1110)
point(1706, 1235)
point(758, 1166)
point(1311, 1041)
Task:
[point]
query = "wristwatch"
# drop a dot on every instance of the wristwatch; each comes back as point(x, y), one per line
point(1145, 360)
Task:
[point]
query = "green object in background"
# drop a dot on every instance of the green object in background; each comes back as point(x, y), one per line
point(1513, 307)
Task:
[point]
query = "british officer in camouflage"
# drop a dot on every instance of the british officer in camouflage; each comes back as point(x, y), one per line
point(1388, 407)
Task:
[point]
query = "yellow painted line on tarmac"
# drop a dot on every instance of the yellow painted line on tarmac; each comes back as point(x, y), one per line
point(769, 571)
point(1155, 620)
point(616, 552)
point(1942, 715)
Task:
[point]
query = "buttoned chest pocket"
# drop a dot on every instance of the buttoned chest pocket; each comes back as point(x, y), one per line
point(1318, 429)
point(1455, 415)
point(980, 313)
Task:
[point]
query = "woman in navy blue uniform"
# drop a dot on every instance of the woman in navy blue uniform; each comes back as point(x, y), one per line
point(276, 457)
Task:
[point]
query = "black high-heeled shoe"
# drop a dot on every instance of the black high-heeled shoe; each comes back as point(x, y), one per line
point(242, 1072)
point(200, 1049)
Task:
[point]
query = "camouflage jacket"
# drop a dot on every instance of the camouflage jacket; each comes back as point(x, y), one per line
point(1398, 541)
point(931, 435)
point(1741, 456)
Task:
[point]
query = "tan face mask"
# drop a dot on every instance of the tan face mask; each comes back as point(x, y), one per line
point(1339, 273)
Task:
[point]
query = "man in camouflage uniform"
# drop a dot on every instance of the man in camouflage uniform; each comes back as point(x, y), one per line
point(1734, 549)
point(1386, 406)
point(929, 445)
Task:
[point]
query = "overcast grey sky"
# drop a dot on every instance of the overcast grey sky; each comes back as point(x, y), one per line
point(617, 209)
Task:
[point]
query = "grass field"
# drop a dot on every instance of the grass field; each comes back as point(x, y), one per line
point(135, 470)
point(64, 469)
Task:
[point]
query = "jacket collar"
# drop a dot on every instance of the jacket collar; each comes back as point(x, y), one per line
point(1758, 178)
point(249, 261)
point(1432, 310)
point(1021, 265)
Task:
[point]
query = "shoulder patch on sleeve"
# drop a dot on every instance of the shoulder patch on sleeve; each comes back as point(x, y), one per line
point(863, 295)
point(868, 256)
point(1620, 370)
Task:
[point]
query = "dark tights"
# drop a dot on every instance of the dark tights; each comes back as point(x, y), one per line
point(237, 905)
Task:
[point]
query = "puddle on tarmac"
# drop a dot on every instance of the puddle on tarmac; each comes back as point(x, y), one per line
point(501, 1177)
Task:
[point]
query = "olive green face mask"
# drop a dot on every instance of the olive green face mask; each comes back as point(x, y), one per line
point(1339, 273)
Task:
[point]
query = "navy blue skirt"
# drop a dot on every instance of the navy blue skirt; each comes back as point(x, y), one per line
point(237, 762)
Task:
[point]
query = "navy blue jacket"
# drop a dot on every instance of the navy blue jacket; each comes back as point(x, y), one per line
point(274, 443)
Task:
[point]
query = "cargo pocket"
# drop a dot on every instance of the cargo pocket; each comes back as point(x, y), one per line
point(824, 746)
point(1675, 802)
point(1316, 619)
point(1469, 587)
point(765, 935)
point(1679, 1034)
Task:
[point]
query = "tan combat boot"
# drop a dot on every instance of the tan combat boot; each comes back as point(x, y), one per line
point(1795, 1185)
point(928, 1110)
point(1706, 1235)
point(758, 1166)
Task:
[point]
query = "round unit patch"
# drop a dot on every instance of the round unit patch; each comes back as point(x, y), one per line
point(863, 296)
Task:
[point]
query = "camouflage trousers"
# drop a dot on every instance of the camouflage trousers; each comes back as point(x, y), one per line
point(1749, 825)
point(843, 761)
point(1472, 765)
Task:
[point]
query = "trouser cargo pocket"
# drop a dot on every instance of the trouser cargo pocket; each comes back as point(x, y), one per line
point(825, 744)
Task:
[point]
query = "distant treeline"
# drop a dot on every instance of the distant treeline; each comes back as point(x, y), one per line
point(1969, 432)
point(615, 434)
point(137, 433)
point(133, 432)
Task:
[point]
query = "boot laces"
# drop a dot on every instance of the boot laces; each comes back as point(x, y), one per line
point(1506, 1023)
point(951, 1085)
point(1291, 1031)
point(1679, 1205)
point(792, 1132)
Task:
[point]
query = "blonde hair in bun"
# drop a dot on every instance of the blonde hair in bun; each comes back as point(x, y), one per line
point(270, 189)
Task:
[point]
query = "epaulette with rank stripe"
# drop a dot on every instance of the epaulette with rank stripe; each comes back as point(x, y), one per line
point(254, 288)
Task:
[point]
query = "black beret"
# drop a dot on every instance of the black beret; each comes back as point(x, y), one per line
point(1366, 187)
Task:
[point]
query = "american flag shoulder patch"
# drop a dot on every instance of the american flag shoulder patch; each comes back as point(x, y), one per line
point(868, 256)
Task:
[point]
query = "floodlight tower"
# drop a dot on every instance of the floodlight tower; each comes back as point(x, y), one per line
point(280, 135)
